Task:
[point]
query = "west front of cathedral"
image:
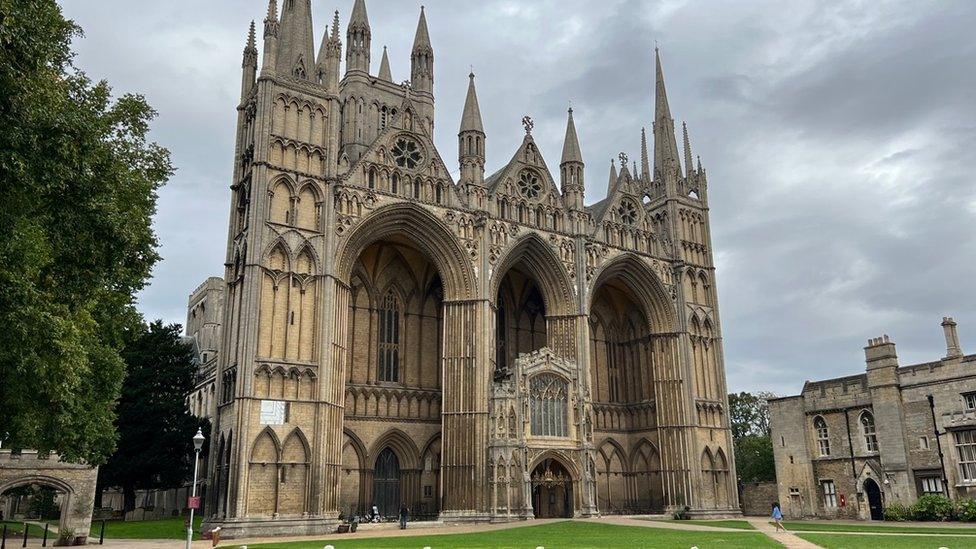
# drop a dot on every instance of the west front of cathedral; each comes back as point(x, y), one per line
point(482, 349)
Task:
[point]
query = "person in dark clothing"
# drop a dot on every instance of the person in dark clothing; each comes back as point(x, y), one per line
point(404, 515)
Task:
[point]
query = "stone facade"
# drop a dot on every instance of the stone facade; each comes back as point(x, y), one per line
point(204, 313)
point(392, 335)
point(74, 483)
point(847, 447)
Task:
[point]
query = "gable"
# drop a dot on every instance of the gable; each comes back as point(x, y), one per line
point(526, 178)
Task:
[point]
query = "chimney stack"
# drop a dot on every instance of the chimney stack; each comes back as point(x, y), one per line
point(953, 350)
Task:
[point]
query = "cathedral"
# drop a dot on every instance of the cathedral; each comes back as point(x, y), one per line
point(488, 348)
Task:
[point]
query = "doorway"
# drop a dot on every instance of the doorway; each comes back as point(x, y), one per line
point(386, 483)
point(552, 490)
point(874, 499)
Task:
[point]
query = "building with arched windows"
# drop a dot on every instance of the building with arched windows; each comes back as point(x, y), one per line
point(486, 348)
point(851, 446)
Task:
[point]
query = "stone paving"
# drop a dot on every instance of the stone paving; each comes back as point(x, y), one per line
point(787, 539)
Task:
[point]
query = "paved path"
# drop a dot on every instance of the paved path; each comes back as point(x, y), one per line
point(788, 539)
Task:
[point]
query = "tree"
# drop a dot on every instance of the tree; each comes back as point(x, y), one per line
point(155, 426)
point(749, 419)
point(78, 184)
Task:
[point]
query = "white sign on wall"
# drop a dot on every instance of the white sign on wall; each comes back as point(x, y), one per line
point(272, 412)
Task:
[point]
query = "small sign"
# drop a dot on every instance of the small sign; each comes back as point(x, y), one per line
point(272, 412)
point(843, 501)
point(193, 502)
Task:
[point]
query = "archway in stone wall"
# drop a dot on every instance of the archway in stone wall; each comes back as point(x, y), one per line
point(552, 489)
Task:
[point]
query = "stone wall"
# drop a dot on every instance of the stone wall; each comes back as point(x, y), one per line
point(757, 498)
point(75, 481)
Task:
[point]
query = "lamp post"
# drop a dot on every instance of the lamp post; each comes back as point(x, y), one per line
point(197, 445)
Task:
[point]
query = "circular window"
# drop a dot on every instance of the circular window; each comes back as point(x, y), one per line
point(627, 212)
point(406, 153)
point(529, 185)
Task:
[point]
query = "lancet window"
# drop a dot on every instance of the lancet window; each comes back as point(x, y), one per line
point(548, 395)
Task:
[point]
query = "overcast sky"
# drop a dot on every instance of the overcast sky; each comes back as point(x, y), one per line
point(839, 140)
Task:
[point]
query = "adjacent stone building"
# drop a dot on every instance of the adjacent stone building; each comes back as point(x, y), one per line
point(486, 348)
point(204, 313)
point(847, 447)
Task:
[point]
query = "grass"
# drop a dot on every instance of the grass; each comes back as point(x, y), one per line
point(558, 535)
point(736, 524)
point(841, 541)
point(170, 528)
point(802, 526)
point(16, 529)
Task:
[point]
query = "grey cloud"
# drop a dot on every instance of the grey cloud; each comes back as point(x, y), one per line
point(839, 139)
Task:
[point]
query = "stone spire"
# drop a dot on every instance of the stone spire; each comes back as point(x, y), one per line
point(471, 150)
point(250, 62)
point(385, 73)
point(357, 39)
point(571, 167)
point(296, 55)
point(327, 63)
point(645, 164)
point(689, 165)
point(613, 177)
point(422, 58)
point(271, 28)
point(665, 147)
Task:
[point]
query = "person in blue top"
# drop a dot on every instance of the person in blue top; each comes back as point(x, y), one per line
point(778, 518)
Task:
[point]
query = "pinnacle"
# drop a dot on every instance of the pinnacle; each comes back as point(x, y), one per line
point(571, 146)
point(471, 116)
point(385, 73)
point(359, 14)
point(422, 38)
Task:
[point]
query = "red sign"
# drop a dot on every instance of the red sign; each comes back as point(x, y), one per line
point(193, 502)
point(843, 501)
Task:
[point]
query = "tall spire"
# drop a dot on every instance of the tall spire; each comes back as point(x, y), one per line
point(645, 164)
point(296, 55)
point(357, 39)
point(471, 116)
point(327, 62)
point(422, 58)
point(571, 147)
point(271, 30)
point(250, 62)
point(665, 146)
point(689, 166)
point(571, 167)
point(613, 177)
point(471, 150)
point(385, 73)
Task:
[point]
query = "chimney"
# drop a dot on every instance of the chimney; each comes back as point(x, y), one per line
point(953, 350)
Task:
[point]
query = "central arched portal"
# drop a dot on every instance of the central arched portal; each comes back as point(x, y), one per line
point(386, 483)
point(552, 490)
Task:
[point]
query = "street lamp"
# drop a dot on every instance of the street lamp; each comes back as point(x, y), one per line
point(197, 445)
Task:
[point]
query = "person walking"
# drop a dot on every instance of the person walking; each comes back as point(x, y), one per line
point(778, 518)
point(404, 514)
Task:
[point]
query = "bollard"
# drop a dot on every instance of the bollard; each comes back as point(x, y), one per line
point(25, 535)
point(101, 535)
point(3, 541)
point(44, 543)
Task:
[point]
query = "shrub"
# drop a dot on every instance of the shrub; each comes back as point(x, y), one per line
point(932, 507)
point(896, 512)
point(967, 510)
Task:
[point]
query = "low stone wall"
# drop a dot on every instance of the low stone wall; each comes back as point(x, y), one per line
point(757, 498)
point(75, 481)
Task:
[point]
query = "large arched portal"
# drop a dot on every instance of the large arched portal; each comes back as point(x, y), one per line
point(552, 490)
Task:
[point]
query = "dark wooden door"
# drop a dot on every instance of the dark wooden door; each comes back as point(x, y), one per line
point(386, 484)
point(874, 499)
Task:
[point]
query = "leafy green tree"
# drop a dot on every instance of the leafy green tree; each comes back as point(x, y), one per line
point(155, 426)
point(749, 419)
point(78, 183)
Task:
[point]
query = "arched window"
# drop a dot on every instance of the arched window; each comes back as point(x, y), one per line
point(439, 193)
point(548, 394)
point(372, 178)
point(870, 434)
point(395, 183)
point(823, 436)
point(416, 188)
point(612, 370)
point(389, 338)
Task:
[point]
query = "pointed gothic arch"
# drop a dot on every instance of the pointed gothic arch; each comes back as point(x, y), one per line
point(538, 257)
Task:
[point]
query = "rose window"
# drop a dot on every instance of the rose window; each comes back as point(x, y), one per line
point(627, 212)
point(406, 153)
point(529, 185)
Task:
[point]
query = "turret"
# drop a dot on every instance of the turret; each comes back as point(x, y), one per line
point(330, 51)
point(357, 39)
point(296, 41)
point(571, 168)
point(250, 63)
point(471, 149)
point(271, 28)
point(953, 348)
point(422, 58)
point(667, 169)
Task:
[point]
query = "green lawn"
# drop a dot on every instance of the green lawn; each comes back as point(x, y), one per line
point(737, 524)
point(886, 528)
point(171, 528)
point(15, 528)
point(559, 535)
point(841, 541)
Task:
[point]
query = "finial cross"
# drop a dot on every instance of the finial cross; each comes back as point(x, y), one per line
point(623, 159)
point(528, 124)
